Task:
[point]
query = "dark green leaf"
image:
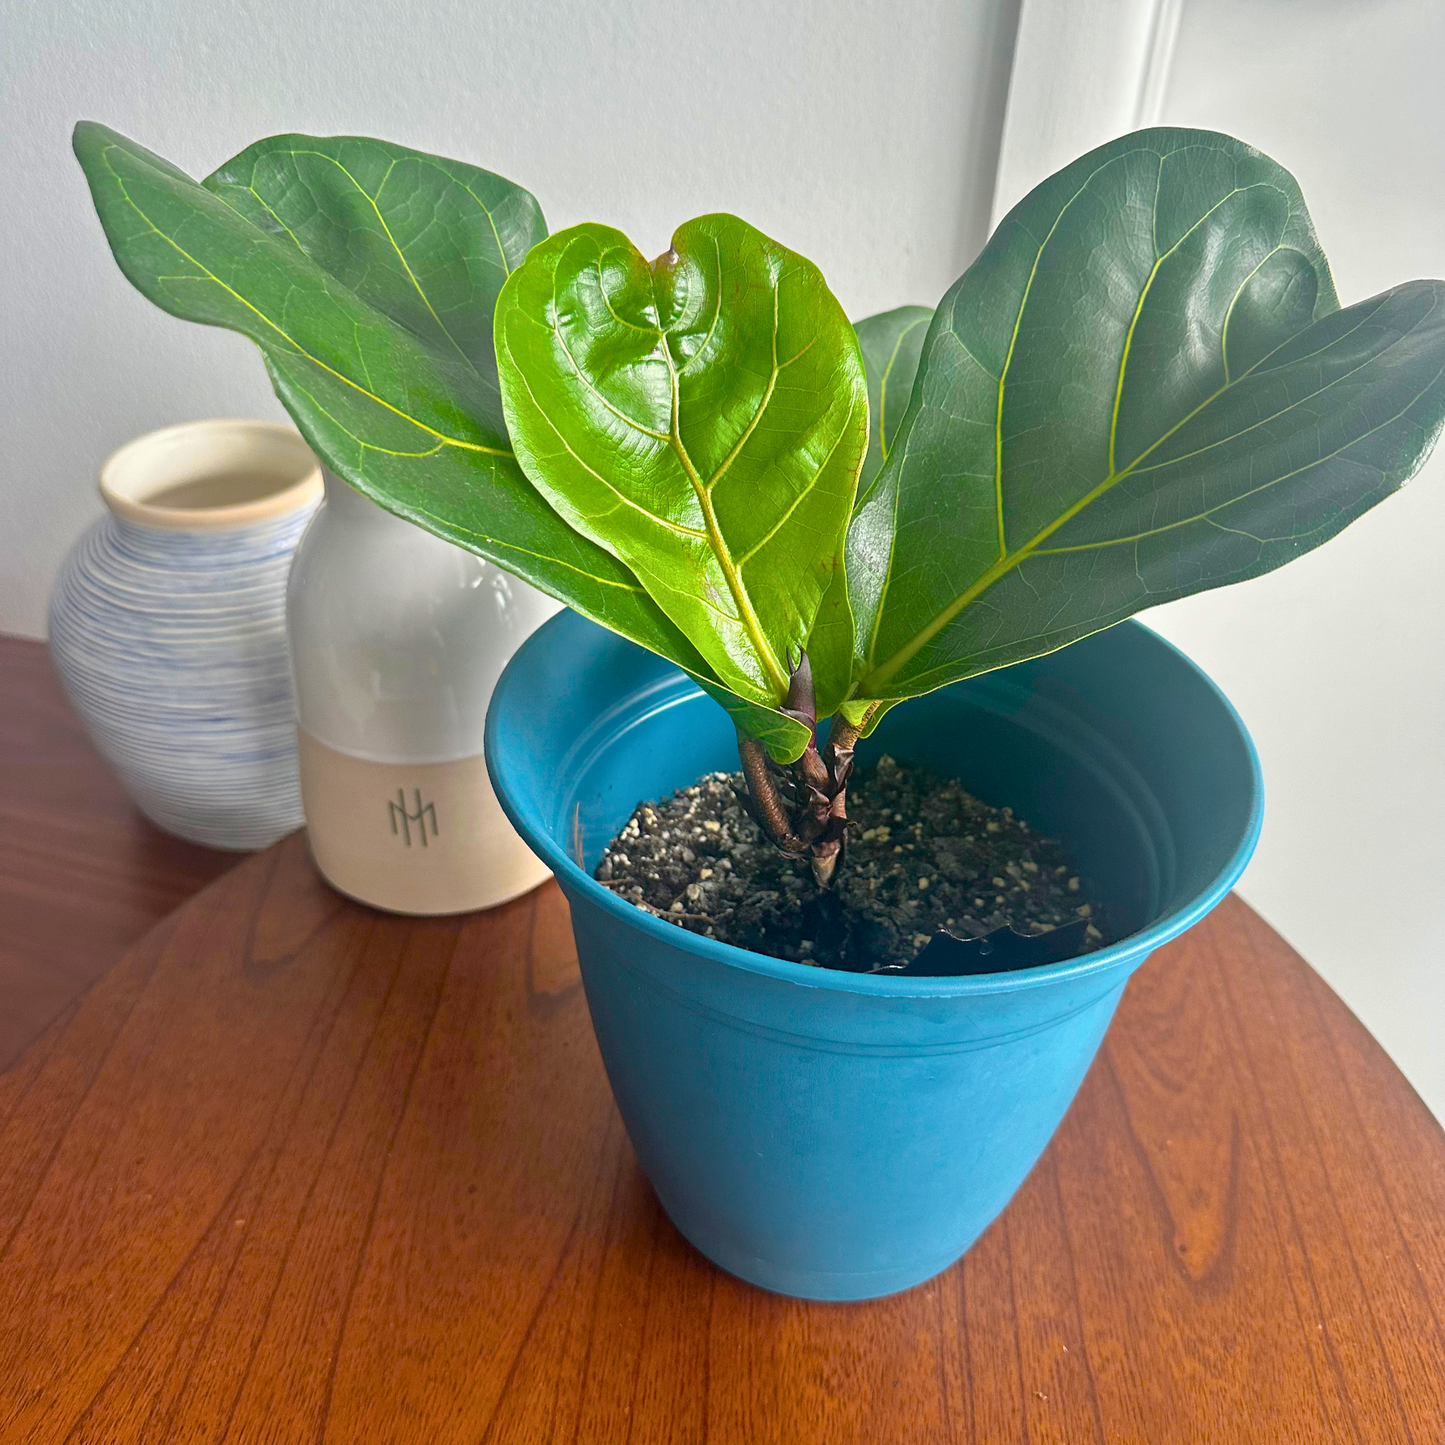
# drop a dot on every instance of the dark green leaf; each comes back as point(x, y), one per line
point(703, 417)
point(1143, 387)
point(831, 646)
point(892, 343)
point(426, 241)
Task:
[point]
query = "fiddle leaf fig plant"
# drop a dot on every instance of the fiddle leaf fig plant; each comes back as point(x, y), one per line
point(1143, 387)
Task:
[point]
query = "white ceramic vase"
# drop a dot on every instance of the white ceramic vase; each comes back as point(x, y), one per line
point(397, 640)
point(167, 626)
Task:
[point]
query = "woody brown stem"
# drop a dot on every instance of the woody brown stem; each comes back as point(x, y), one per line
point(837, 759)
point(772, 813)
point(815, 820)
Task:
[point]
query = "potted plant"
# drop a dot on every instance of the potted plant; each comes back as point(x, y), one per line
point(1144, 386)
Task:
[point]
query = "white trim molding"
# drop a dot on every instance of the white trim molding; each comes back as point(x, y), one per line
point(1084, 72)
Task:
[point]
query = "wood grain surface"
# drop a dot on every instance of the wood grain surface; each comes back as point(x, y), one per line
point(298, 1171)
point(82, 873)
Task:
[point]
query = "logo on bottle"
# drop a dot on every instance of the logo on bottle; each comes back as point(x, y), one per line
point(404, 821)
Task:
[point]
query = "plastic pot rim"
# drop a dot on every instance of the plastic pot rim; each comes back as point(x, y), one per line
point(575, 878)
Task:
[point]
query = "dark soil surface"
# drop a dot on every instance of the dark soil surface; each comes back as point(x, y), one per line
point(926, 856)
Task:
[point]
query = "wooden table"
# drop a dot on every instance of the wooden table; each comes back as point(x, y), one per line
point(292, 1170)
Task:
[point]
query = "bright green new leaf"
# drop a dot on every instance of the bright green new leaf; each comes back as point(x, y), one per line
point(702, 416)
point(1142, 388)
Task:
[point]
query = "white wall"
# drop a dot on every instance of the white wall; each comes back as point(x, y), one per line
point(862, 134)
point(1338, 662)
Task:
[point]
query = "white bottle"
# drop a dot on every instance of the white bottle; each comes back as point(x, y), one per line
point(397, 640)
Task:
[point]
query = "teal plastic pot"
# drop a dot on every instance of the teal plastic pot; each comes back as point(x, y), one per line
point(837, 1135)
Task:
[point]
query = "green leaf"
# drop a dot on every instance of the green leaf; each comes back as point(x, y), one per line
point(1142, 388)
point(831, 650)
point(784, 737)
point(368, 275)
point(703, 417)
point(426, 241)
point(892, 343)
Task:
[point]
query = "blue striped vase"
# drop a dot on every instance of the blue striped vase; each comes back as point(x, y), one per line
point(168, 626)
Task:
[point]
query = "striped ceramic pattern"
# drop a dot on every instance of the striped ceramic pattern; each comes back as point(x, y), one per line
point(172, 646)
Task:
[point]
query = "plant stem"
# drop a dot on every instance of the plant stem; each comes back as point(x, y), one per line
point(837, 760)
point(772, 812)
point(817, 826)
point(815, 821)
point(843, 737)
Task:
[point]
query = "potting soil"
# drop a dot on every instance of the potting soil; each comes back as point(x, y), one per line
point(924, 855)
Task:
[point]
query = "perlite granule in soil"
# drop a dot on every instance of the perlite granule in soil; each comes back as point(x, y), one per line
point(925, 855)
